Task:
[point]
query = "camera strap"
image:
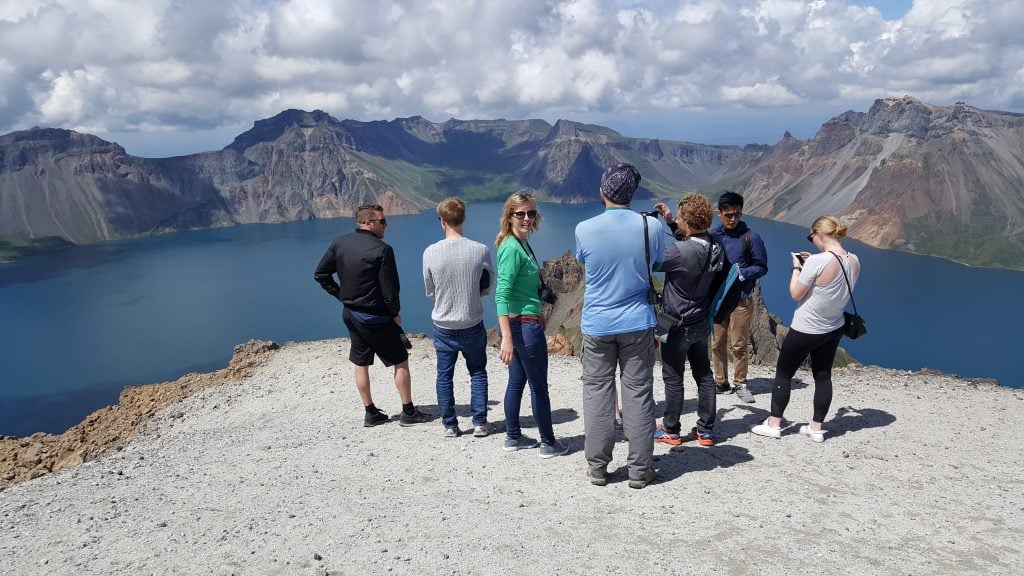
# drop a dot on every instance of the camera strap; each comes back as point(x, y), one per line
point(526, 248)
point(647, 254)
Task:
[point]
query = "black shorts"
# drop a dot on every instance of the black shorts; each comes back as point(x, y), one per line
point(382, 339)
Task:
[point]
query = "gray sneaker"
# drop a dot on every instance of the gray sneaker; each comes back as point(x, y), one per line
point(597, 477)
point(513, 444)
point(452, 432)
point(644, 480)
point(482, 430)
point(557, 448)
point(744, 394)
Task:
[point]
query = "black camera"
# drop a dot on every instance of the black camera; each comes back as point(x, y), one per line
point(547, 294)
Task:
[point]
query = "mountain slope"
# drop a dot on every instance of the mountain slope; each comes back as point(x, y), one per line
point(941, 180)
point(301, 164)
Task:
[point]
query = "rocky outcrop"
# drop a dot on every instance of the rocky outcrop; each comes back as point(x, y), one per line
point(110, 428)
point(566, 276)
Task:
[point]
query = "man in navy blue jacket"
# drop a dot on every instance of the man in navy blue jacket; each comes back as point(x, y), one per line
point(732, 324)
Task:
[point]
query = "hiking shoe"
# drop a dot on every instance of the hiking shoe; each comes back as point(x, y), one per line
point(723, 388)
point(665, 437)
point(556, 448)
point(644, 480)
point(597, 478)
point(415, 418)
point(767, 431)
point(744, 394)
point(702, 438)
point(513, 444)
point(814, 435)
point(452, 432)
point(481, 430)
point(375, 418)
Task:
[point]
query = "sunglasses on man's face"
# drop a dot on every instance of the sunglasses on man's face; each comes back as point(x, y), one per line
point(731, 215)
point(383, 221)
point(520, 214)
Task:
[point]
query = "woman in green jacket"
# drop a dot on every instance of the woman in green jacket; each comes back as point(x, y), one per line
point(523, 345)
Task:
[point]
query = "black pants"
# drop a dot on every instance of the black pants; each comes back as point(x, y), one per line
point(795, 348)
point(688, 343)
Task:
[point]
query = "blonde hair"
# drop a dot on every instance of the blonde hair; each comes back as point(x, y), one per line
point(452, 211)
point(505, 223)
point(829, 226)
point(696, 211)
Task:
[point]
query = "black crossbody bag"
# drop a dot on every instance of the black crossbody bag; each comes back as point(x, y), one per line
point(853, 325)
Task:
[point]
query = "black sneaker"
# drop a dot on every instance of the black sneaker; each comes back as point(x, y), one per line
point(375, 418)
point(724, 388)
point(415, 418)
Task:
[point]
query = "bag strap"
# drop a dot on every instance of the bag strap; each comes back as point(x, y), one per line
point(647, 254)
point(847, 278)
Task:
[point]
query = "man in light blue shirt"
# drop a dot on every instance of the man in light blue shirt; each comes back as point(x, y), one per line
point(618, 326)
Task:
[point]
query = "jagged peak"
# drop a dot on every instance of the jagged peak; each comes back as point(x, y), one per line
point(272, 128)
point(59, 139)
point(569, 129)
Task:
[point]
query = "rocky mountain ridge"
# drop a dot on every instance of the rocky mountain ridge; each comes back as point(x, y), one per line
point(940, 180)
point(300, 165)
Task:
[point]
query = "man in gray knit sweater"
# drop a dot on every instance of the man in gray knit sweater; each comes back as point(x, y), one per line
point(457, 271)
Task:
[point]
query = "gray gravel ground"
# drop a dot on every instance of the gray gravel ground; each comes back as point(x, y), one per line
point(920, 474)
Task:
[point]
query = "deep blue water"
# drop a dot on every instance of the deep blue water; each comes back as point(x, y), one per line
point(78, 325)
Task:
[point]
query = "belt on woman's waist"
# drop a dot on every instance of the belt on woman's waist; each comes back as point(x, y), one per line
point(524, 319)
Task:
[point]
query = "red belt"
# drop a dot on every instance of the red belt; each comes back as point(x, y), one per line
point(524, 319)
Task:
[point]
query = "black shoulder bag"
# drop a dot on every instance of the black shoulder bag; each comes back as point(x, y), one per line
point(853, 325)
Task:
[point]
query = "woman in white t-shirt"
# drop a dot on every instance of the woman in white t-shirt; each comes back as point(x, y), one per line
point(818, 284)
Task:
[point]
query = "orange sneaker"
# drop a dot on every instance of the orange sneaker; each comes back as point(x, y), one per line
point(702, 438)
point(665, 437)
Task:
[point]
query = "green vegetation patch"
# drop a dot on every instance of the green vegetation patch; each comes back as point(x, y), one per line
point(12, 249)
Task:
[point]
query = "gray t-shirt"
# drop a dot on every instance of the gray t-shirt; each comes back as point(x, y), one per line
point(452, 271)
point(821, 311)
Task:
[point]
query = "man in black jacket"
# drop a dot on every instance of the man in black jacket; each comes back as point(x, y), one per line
point(365, 267)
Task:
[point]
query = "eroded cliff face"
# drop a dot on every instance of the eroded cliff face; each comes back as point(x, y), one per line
point(567, 277)
point(300, 165)
point(940, 180)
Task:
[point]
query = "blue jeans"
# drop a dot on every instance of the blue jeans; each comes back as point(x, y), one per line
point(529, 363)
point(472, 342)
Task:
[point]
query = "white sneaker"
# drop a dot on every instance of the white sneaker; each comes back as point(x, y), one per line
point(814, 435)
point(764, 429)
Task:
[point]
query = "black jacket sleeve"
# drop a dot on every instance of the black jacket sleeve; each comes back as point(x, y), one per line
point(388, 281)
point(324, 273)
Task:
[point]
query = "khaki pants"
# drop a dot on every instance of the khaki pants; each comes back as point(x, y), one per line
point(737, 327)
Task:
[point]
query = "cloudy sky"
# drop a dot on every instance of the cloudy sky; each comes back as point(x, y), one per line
point(166, 77)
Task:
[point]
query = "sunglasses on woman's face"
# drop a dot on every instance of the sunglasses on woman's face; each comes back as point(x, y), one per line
point(520, 214)
point(810, 237)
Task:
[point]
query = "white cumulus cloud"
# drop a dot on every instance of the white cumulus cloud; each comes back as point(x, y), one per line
point(120, 65)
